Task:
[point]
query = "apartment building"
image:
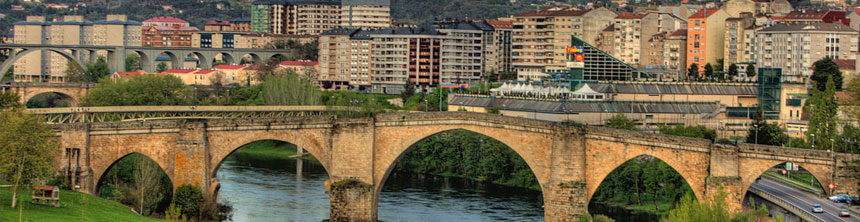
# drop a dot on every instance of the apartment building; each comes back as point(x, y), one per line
point(675, 51)
point(605, 41)
point(241, 24)
point(384, 60)
point(218, 26)
point(365, 13)
point(705, 36)
point(312, 17)
point(167, 31)
point(739, 40)
point(498, 53)
point(634, 32)
point(68, 30)
point(795, 47)
point(816, 16)
point(540, 38)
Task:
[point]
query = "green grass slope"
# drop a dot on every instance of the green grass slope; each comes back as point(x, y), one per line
point(74, 207)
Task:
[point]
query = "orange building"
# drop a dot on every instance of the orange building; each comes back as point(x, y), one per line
point(705, 37)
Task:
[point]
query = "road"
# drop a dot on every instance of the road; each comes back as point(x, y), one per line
point(804, 200)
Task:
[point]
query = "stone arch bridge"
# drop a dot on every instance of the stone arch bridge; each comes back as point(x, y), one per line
point(569, 161)
point(83, 54)
point(27, 90)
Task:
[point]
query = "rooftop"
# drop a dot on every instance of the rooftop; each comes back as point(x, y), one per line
point(180, 71)
point(556, 11)
point(228, 67)
point(810, 14)
point(823, 27)
point(584, 106)
point(676, 88)
point(704, 13)
point(299, 63)
point(170, 19)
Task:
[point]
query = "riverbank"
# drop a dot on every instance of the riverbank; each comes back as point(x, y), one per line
point(74, 207)
point(663, 207)
point(270, 150)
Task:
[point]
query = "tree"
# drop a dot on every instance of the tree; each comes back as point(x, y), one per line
point(714, 209)
point(8, 100)
point(188, 198)
point(161, 67)
point(288, 89)
point(97, 70)
point(621, 121)
point(146, 184)
point(765, 133)
point(73, 72)
point(733, 71)
point(853, 105)
point(709, 71)
point(145, 90)
point(8, 75)
point(217, 79)
point(751, 71)
point(174, 214)
point(826, 68)
point(690, 131)
point(29, 147)
point(693, 71)
point(408, 90)
point(132, 62)
point(822, 108)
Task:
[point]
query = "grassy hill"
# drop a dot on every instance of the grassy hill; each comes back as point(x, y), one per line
point(75, 207)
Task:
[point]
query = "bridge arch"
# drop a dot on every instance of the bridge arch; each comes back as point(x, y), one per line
point(226, 58)
point(112, 149)
point(601, 160)
point(253, 58)
point(751, 172)
point(147, 63)
point(103, 172)
point(26, 93)
point(175, 62)
point(10, 62)
point(396, 142)
point(72, 101)
point(224, 143)
point(620, 172)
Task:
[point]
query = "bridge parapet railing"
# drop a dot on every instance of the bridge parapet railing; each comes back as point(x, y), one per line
point(464, 116)
point(806, 154)
point(806, 215)
point(126, 113)
point(52, 85)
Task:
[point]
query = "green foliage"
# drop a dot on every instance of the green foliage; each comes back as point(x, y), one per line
point(74, 72)
point(408, 90)
point(362, 104)
point(826, 69)
point(494, 110)
point(765, 133)
point(49, 100)
point(128, 182)
point(8, 75)
point(289, 89)
point(751, 72)
point(132, 62)
point(424, 12)
point(471, 155)
point(713, 210)
point(28, 149)
point(8, 100)
point(733, 70)
point(621, 121)
point(97, 70)
point(693, 71)
point(642, 181)
point(709, 71)
point(691, 131)
point(174, 214)
point(849, 139)
point(853, 105)
point(433, 101)
point(247, 96)
point(161, 67)
point(823, 109)
point(189, 200)
point(145, 90)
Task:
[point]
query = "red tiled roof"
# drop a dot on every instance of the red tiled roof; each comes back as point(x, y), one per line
point(228, 67)
point(679, 32)
point(501, 24)
point(43, 187)
point(165, 19)
point(808, 14)
point(168, 28)
point(183, 71)
point(133, 74)
point(204, 72)
point(856, 11)
point(704, 13)
point(254, 67)
point(556, 11)
point(630, 15)
point(298, 63)
point(845, 64)
point(843, 97)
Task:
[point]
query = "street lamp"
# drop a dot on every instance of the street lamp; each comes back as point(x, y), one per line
point(831, 146)
point(756, 133)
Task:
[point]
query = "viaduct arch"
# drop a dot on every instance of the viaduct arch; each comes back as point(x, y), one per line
point(27, 91)
point(569, 161)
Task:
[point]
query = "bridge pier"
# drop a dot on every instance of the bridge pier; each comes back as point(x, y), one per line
point(352, 200)
point(191, 157)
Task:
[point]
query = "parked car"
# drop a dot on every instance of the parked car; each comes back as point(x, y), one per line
point(841, 198)
point(844, 213)
point(816, 208)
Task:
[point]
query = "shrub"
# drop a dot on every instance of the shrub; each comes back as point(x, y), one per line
point(189, 199)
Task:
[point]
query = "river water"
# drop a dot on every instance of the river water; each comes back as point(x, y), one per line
point(293, 190)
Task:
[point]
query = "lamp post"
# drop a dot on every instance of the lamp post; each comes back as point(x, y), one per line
point(756, 133)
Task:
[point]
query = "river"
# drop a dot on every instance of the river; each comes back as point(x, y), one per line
point(276, 191)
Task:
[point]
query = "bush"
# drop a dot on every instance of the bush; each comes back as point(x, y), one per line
point(110, 192)
point(189, 199)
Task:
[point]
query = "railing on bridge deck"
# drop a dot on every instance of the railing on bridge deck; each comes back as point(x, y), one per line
point(805, 214)
point(127, 113)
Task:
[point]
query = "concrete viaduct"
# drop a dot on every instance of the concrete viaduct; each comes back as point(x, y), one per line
point(116, 55)
point(569, 161)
